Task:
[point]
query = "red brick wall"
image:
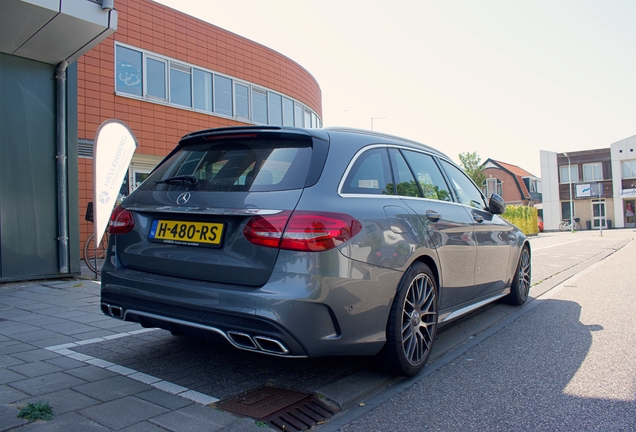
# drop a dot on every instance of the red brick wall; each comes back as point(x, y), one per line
point(509, 188)
point(157, 28)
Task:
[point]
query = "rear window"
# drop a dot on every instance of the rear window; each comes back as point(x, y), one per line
point(232, 165)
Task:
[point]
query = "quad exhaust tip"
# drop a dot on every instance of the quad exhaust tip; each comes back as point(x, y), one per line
point(261, 343)
point(240, 340)
point(112, 310)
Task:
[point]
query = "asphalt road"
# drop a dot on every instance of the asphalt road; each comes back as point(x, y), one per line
point(221, 372)
point(566, 361)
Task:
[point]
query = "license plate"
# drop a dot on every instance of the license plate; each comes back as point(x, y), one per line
point(186, 233)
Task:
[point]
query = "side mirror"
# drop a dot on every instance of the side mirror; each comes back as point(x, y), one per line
point(496, 204)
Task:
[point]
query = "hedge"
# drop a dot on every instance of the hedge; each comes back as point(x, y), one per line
point(523, 217)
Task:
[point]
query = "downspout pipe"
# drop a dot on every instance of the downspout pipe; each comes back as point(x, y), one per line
point(62, 168)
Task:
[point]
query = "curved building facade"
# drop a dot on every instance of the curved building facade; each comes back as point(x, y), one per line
point(166, 73)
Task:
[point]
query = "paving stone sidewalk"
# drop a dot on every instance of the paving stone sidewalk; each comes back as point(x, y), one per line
point(40, 325)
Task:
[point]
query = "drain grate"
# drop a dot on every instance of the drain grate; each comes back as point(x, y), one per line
point(286, 410)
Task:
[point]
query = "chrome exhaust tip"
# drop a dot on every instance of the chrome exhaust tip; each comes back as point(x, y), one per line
point(113, 311)
point(241, 340)
point(270, 345)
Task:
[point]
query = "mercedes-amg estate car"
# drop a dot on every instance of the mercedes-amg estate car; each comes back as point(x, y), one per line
point(304, 243)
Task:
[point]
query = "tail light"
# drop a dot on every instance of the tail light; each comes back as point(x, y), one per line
point(121, 221)
point(302, 230)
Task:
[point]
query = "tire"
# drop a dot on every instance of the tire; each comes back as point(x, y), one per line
point(94, 257)
point(412, 323)
point(564, 226)
point(521, 283)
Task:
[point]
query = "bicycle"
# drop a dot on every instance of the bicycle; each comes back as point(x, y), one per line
point(565, 225)
point(94, 255)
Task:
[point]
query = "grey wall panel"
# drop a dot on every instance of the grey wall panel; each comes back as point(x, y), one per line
point(28, 191)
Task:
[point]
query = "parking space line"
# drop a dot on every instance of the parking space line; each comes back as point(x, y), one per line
point(158, 383)
point(555, 245)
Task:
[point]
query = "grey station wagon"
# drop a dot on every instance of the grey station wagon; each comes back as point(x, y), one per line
point(304, 243)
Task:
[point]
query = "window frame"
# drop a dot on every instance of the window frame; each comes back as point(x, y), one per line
point(167, 100)
point(178, 68)
point(146, 79)
point(593, 166)
point(498, 188)
point(573, 168)
point(249, 100)
point(195, 92)
point(631, 162)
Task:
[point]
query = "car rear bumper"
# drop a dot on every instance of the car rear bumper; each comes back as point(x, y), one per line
point(292, 315)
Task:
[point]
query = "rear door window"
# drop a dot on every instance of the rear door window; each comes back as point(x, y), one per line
point(235, 165)
point(370, 174)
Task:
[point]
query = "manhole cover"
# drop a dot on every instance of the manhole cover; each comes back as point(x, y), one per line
point(283, 409)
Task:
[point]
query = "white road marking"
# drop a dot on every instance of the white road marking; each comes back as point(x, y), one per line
point(158, 383)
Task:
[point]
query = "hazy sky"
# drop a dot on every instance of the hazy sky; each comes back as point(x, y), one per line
point(504, 78)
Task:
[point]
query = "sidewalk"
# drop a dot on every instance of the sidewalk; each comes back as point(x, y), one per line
point(40, 324)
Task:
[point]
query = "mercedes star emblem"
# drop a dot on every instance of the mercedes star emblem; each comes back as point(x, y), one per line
point(183, 198)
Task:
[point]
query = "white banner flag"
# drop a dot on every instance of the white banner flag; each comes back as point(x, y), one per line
point(114, 148)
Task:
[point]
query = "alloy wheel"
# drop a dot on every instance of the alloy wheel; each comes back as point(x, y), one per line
point(419, 319)
point(524, 274)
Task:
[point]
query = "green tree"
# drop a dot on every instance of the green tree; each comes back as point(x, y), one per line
point(471, 163)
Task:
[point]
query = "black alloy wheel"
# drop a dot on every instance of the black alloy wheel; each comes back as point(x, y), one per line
point(412, 324)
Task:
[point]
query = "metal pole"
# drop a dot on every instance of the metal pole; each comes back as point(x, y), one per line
point(599, 210)
point(570, 187)
point(62, 172)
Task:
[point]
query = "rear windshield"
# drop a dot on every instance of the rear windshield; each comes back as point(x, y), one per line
point(249, 164)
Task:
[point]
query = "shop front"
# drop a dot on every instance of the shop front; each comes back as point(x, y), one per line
point(629, 202)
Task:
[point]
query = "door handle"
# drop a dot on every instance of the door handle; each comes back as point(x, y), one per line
point(478, 218)
point(433, 216)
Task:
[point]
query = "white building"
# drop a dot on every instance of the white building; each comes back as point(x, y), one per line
point(598, 185)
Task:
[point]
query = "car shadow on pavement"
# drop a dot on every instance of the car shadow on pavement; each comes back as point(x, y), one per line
point(538, 373)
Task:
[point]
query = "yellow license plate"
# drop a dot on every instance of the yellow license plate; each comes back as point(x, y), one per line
point(187, 233)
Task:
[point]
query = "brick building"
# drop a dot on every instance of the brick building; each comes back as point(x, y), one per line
point(165, 74)
point(515, 185)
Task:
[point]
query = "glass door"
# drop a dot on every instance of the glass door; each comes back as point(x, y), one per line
point(598, 214)
point(629, 214)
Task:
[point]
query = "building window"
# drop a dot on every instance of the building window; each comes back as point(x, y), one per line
point(202, 90)
point(180, 85)
point(298, 115)
point(492, 185)
point(242, 100)
point(574, 174)
point(288, 112)
point(565, 210)
point(128, 71)
point(308, 119)
point(592, 172)
point(629, 168)
point(259, 105)
point(222, 95)
point(275, 109)
point(151, 76)
point(156, 78)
